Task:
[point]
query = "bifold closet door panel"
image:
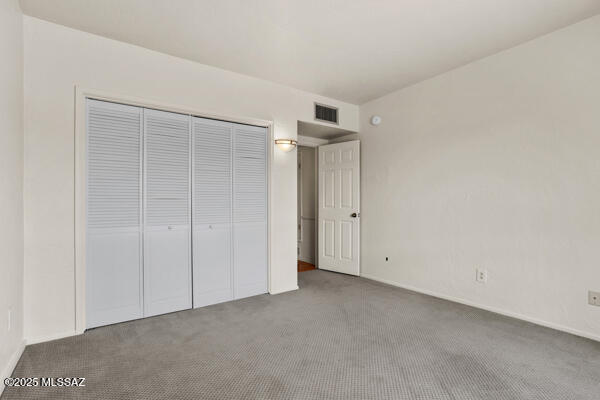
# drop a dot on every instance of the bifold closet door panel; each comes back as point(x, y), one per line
point(113, 208)
point(167, 240)
point(249, 210)
point(211, 211)
point(250, 263)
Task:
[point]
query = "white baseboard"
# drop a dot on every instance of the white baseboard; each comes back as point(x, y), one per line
point(587, 335)
point(12, 363)
point(284, 290)
point(47, 338)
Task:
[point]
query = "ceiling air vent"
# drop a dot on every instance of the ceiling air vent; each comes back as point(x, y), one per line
point(326, 113)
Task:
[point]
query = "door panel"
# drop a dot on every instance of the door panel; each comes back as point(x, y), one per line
point(328, 189)
point(328, 235)
point(166, 271)
point(339, 208)
point(113, 209)
point(346, 240)
point(211, 210)
point(250, 252)
point(167, 249)
point(249, 210)
point(212, 264)
point(347, 188)
point(113, 291)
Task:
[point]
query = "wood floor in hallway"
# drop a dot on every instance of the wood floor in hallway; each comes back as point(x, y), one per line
point(304, 266)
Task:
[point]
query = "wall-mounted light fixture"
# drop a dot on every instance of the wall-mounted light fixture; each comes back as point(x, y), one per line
point(286, 144)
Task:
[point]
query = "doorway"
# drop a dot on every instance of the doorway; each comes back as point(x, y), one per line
point(328, 212)
point(307, 208)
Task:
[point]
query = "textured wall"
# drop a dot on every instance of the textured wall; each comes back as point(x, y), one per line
point(11, 184)
point(493, 165)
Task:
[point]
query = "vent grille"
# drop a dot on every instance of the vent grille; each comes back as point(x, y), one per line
point(326, 113)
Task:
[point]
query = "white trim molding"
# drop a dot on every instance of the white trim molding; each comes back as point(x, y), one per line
point(495, 310)
point(48, 338)
point(12, 364)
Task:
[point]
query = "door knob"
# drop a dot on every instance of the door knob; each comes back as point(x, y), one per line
point(354, 215)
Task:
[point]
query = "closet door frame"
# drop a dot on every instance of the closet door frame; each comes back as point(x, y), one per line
point(80, 135)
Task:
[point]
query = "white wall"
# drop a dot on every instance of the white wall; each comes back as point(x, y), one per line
point(11, 185)
point(57, 59)
point(494, 165)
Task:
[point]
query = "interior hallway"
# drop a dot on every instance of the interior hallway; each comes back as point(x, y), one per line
point(304, 266)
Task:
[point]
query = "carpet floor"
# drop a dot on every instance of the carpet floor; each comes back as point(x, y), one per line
point(338, 337)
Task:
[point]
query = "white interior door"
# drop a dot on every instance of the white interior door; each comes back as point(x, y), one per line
point(339, 207)
point(211, 211)
point(167, 219)
point(114, 184)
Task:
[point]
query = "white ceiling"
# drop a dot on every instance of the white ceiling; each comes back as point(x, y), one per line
point(351, 50)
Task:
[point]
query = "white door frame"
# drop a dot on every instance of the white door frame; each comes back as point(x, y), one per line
point(81, 94)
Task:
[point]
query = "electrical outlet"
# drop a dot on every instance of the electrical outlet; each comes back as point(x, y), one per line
point(594, 298)
point(482, 275)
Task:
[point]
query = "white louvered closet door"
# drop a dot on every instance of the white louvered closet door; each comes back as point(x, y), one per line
point(113, 250)
point(167, 251)
point(249, 210)
point(211, 211)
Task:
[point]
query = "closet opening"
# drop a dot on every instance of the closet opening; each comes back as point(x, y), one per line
point(311, 137)
point(172, 211)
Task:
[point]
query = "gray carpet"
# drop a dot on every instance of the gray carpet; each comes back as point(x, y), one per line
point(338, 337)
